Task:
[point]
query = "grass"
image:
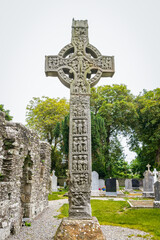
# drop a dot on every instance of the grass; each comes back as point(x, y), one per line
point(119, 213)
point(56, 195)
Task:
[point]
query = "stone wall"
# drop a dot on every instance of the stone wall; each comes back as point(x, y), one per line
point(24, 175)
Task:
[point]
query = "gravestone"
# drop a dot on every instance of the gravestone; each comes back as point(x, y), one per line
point(135, 184)
point(157, 192)
point(128, 184)
point(79, 66)
point(155, 175)
point(54, 182)
point(117, 186)
point(95, 180)
point(111, 187)
point(101, 183)
point(148, 181)
point(95, 184)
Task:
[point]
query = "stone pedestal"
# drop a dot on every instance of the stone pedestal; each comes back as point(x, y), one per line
point(79, 230)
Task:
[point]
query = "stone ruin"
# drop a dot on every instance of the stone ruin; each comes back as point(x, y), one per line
point(24, 176)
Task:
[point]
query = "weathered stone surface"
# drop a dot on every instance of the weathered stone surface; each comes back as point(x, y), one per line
point(128, 184)
point(157, 192)
point(155, 175)
point(54, 182)
point(117, 186)
point(148, 183)
point(95, 184)
point(24, 175)
point(101, 183)
point(79, 66)
point(95, 180)
point(79, 230)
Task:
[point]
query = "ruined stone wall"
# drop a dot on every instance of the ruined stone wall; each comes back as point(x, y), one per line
point(24, 175)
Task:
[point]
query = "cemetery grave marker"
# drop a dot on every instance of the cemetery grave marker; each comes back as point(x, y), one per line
point(148, 181)
point(157, 192)
point(79, 66)
point(111, 188)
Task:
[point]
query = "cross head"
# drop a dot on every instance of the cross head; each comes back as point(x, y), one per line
point(79, 65)
point(148, 166)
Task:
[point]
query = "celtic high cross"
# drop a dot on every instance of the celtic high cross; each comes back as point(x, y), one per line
point(79, 66)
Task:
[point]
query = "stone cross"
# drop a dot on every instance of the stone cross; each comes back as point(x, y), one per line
point(79, 66)
point(148, 166)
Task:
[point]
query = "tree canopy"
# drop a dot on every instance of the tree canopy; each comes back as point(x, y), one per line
point(115, 104)
point(115, 112)
point(45, 114)
point(8, 117)
point(145, 140)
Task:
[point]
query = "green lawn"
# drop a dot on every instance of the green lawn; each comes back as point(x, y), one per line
point(120, 213)
point(56, 195)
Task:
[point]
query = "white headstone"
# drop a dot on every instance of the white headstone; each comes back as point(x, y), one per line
point(148, 183)
point(117, 185)
point(101, 183)
point(155, 176)
point(54, 182)
point(95, 180)
point(95, 184)
point(128, 184)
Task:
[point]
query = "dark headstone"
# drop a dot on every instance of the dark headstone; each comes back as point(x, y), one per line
point(135, 184)
point(157, 191)
point(110, 185)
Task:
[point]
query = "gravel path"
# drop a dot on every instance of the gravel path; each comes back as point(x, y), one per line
point(45, 226)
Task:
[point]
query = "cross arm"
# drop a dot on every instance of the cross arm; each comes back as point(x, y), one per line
point(52, 64)
point(106, 65)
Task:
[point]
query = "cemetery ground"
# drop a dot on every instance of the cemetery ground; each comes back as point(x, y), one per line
point(119, 213)
point(118, 220)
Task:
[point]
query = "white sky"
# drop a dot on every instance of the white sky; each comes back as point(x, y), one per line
point(31, 29)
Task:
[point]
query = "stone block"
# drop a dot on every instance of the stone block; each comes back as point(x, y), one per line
point(95, 180)
point(156, 204)
point(128, 184)
point(79, 230)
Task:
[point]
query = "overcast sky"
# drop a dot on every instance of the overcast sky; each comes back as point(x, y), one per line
point(31, 29)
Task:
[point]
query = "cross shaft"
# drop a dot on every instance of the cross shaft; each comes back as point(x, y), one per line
point(79, 66)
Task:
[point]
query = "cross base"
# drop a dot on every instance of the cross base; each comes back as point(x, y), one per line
point(79, 229)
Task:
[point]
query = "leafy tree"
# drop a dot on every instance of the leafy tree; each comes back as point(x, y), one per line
point(145, 140)
point(57, 163)
point(115, 104)
point(45, 115)
point(65, 136)
point(8, 117)
point(98, 138)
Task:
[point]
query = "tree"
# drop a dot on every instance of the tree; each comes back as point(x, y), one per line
point(115, 104)
point(98, 138)
point(145, 140)
point(45, 115)
point(65, 136)
point(8, 117)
